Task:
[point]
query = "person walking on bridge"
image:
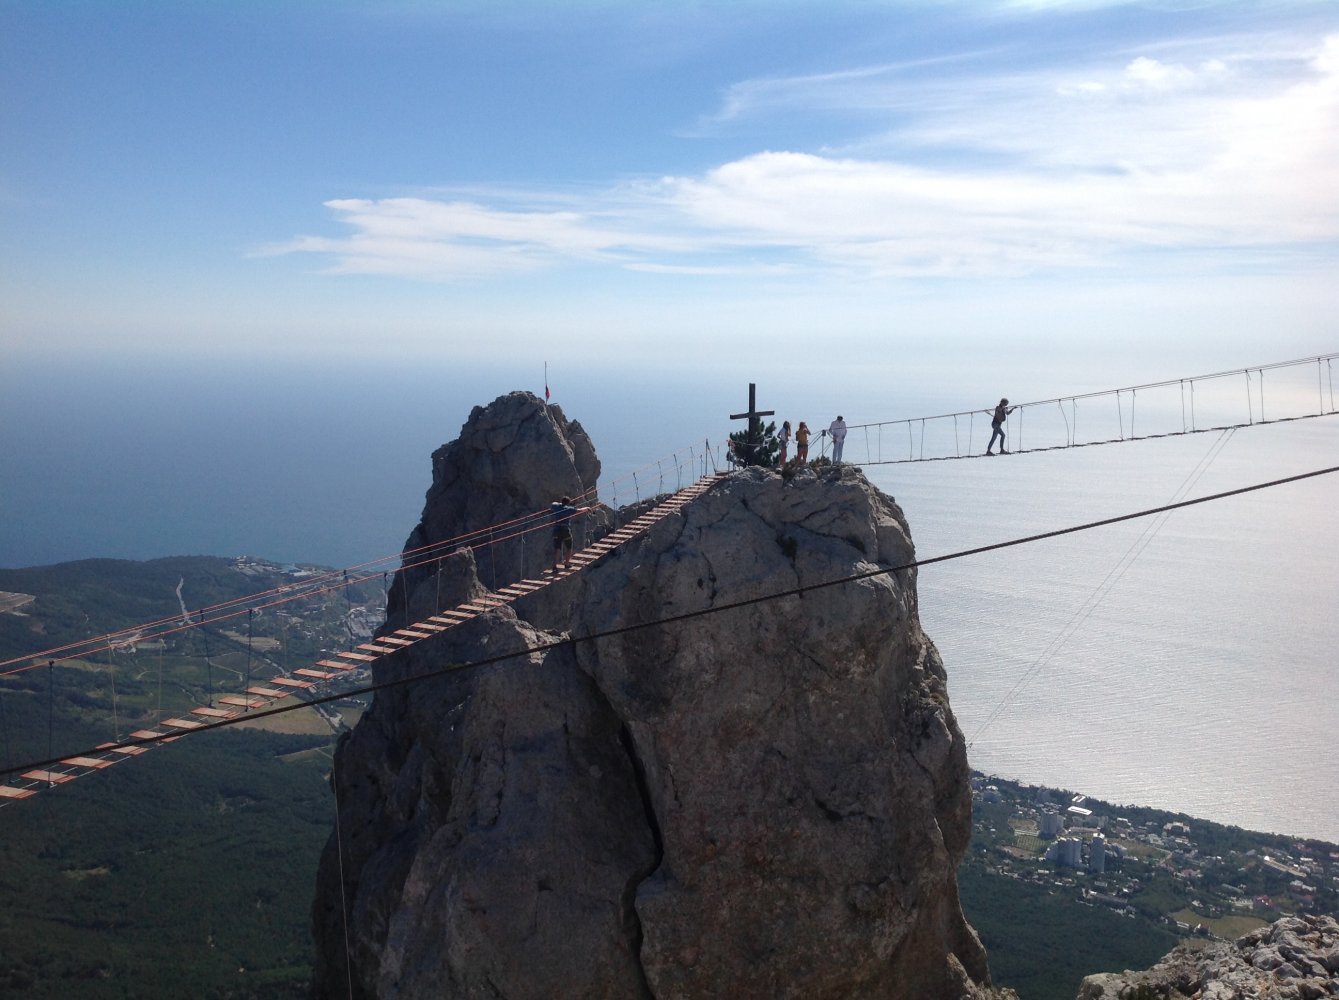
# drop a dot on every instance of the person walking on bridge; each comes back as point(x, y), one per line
point(997, 426)
point(562, 512)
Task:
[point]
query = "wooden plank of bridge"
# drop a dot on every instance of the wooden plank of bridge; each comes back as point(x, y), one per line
point(50, 777)
point(361, 657)
point(289, 682)
point(94, 762)
point(146, 734)
point(265, 692)
point(213, 713)
point(241, 702)
point(392, 641)
point(182, 723)
point(126, 751)
point(375, 648)
point(320, 675)
point(10, 792)
point(335, 665)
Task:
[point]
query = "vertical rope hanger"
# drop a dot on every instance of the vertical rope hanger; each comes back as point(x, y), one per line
point(492, 566)
point(162, 650)
point(111, 675)
point(4, 731)
point(250, 613)
point(50, 715)
point(343, 898)
point(209, 665)
point(116, 719)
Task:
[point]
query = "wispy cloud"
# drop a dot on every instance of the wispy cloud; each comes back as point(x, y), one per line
point(1217, 148)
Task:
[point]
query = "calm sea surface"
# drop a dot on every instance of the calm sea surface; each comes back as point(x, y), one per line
point(1189, 662)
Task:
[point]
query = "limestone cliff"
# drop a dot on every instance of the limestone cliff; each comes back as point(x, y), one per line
point(768, 801)
point(1294, 958)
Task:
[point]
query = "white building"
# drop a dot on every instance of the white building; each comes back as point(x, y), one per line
point(1067, 852)
point(1049, 824)
point(1097, 855)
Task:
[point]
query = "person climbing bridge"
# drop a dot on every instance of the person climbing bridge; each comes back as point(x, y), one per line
point(562, 513)
point(802, 443)
point(837, 431)
point(997, 426)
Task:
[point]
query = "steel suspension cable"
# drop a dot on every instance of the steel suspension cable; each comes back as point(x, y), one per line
point(1100, 592)
point(703, 612)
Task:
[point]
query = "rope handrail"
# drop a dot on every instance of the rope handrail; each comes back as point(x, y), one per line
point(364, 654)
point(312, 587)
point(1323, 358)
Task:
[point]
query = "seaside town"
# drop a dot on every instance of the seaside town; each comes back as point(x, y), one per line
point(1196, 877)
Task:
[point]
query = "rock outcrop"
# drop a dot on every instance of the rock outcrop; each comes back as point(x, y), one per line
point(761, 801)
point(1294, 958)
point(513, 458)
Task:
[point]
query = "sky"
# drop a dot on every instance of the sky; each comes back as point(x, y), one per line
point(671, 183)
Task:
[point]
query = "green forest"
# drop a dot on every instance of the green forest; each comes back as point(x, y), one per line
point(186, 873)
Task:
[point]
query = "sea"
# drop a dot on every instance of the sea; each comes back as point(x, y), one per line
point(1187, 661)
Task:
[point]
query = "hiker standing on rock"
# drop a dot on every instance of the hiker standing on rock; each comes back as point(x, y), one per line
point(837, 431)
point(802, 443)
point(784, 440)
point(997, 426)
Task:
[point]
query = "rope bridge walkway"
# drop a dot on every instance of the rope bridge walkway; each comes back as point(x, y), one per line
point(279, 687)
point(1177, 407)
point(1205, 402)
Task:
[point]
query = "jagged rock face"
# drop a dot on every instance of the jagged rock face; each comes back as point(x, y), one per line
point(513, 458)
point(1294, 958)
point(765, 801)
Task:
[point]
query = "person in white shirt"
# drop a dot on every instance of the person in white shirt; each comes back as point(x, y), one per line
point(837, 431)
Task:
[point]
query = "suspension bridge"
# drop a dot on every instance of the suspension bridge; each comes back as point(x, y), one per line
point(1200, 404)
point(1203, 403)
point(279, 687)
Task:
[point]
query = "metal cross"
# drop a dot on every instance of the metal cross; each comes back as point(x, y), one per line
point(754, 437)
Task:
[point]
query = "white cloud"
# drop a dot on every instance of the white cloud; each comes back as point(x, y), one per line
point(1028, 172)
point(1155, 75)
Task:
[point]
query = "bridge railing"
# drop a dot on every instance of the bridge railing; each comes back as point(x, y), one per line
point(1287, 390)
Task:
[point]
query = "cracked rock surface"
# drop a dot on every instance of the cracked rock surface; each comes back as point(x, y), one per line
point(766, 801)
point(1294, 958)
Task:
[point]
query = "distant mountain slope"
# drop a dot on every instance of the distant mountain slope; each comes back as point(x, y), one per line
point(186, 871)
